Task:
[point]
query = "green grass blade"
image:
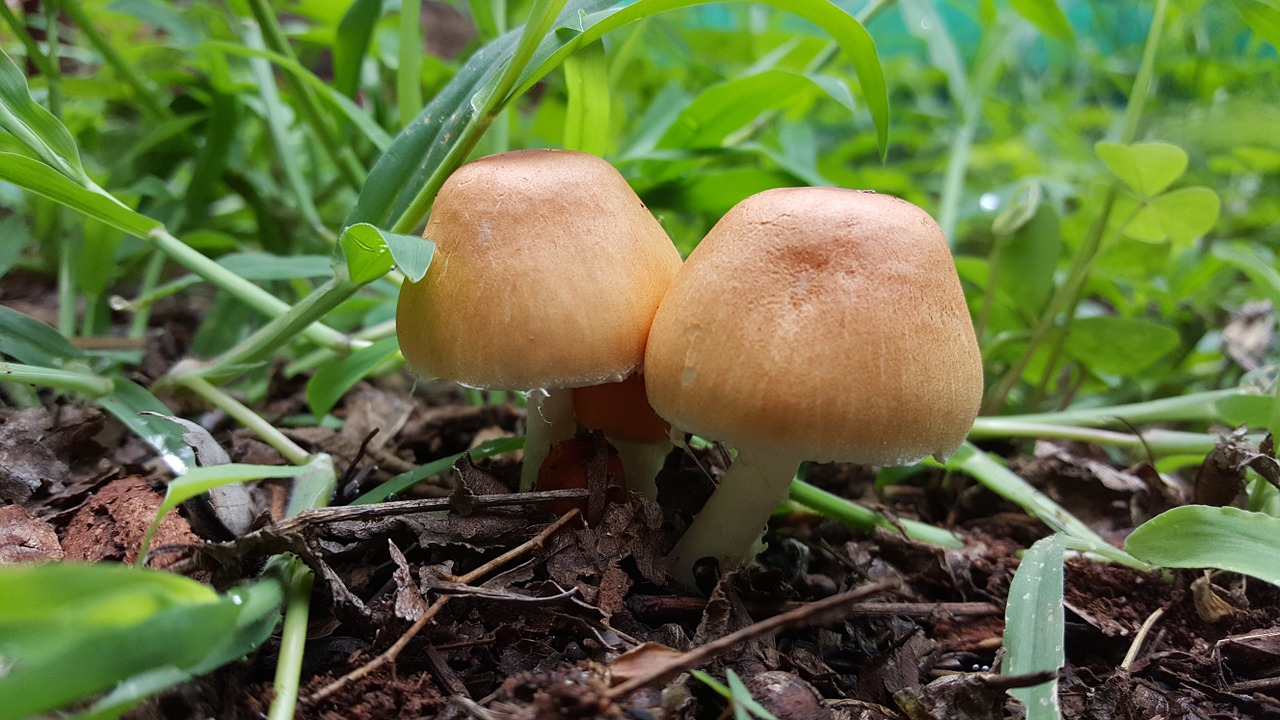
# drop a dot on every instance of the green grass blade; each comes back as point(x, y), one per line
point(114, 624)
point(36, 127)
point(43, 180)
point(1035, 625)
point(409, 71)
point(355, 31)
point(435, 467)
point(586, 75)
point(854, 515)
point(30, 341)
point(1199, 536)
point(343, 104)
point(327, 386)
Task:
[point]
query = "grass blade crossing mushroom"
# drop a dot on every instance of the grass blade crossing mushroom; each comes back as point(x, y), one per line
point(547, 272)
point(811, 324)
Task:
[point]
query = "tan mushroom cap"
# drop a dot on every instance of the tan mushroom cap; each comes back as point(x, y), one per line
point(547, 271)
point(823, 323)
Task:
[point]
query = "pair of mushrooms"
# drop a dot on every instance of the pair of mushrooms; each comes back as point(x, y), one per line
point(810, 324)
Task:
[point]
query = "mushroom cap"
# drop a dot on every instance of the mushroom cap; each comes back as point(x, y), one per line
point(547, 271)
point(821, 323)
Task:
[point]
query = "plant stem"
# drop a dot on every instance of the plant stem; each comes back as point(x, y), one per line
point(34, 54)
point(245, 291)
point(1159, 442)
point(150, 279)
point(54, 78)
point(245, 416)
point(56, 378)
point(1201, 407)
point(293, 640)
point(147, 95)
point(855, 515)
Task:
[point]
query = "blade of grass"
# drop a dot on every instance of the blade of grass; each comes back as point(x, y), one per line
point(435, 467)
point(855, 515)
point(409, 70)
point(146, 93)
point(1035, 625)
point(355, 32)
point(586, 75)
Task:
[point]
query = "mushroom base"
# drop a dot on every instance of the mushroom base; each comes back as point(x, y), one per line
point(730, 525)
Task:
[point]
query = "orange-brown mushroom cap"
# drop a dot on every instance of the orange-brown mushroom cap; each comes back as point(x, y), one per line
point(820, 323)
point(547, 271)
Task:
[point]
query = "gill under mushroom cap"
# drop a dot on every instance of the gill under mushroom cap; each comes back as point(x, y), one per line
point(547, 271)
point(824, 323)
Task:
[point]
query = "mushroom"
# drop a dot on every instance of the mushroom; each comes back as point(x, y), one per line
point(622, 411)
point(547, 271)
point(810, 324)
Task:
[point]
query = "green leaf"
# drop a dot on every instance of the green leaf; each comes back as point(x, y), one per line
point(372, 252)
point(1034, 626)
point(327, 387)
point(355, 32)
point(128, 401)
point(1025, 266)
point(1263, 17)
point(14, 228)
point(1181, 216)
point(721, 110)
point(36, 127)
point(416, 158)
point(1199, 536)
point(1147, 168)
point(1119, 346)
point(1048, 18)
point(43, 180)
point(745, 706)
point(252, 265)
point(435, 467)
point(114, 624)
point(30, 341)
point(586, 75)
point(1261, 271)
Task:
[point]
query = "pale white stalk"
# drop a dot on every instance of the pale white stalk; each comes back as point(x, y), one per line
point(730, 525)
point(549, 419)
point(641, 462)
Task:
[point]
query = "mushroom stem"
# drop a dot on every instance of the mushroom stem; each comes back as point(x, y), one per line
point(641, 462)
point(730, 525)
point(549, 419)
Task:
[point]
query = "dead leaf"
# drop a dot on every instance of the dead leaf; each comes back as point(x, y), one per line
point(25, 538)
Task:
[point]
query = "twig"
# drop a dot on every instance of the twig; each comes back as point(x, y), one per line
point(1140, 637)
point(701, 654)
point(391, 653)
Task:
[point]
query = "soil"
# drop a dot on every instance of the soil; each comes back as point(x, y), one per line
point(553, 632)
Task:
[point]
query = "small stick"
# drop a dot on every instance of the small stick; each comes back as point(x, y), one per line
point(1140, 637)
point(701, 654)
point(389, 656)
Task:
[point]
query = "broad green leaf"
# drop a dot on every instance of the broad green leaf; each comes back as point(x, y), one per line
point(586, 75)
point(1119, 346)
point(113, 623)
point(327, 386)
point(30, 341)
point(1048, 18)
point(1147, 168)
point(1034, 626)
point(43, 180)
point(1026, 264)
point(1181, 216)
point(1199, 536)
point(1263, 17)
point(36, 127)
point(352, 42)
point(371, 253)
